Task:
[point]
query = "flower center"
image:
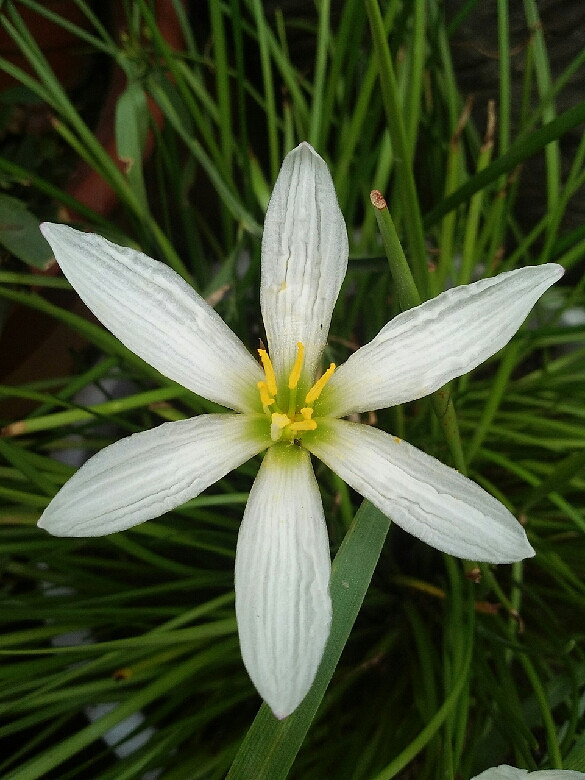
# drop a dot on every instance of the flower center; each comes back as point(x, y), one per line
point(288, 417)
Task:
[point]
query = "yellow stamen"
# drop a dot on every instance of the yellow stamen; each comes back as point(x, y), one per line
point(295, 374)
point(290, 425)
point(265, 396)
point(306, 424)
point(317, 388)
point(303, 425)
point(268, 371)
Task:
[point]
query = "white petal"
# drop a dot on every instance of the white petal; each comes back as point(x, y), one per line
point(282, 579)
point(150, 473)
point(157, 315)
point(506, 772)
point(423, 348)
point(502, 772)
point(304, 259)
point(419, 493)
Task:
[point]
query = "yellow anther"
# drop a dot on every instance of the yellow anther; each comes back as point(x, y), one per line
point(265, 396)
point(317, 388)
point(295, 374)
point(303, 425)
point(307, 412)
point(268, 372)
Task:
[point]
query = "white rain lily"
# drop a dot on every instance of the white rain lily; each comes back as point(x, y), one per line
point(282, 406)
point(506, 772)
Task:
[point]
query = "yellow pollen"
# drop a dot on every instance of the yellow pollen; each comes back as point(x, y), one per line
point(265, 396)
point(317, 388)
point(268, 372)
point(295, 374)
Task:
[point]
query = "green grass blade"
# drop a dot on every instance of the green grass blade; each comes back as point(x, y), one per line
point(523, 148)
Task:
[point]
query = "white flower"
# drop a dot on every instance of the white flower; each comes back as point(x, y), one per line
point(282, 560)
point(506, 772)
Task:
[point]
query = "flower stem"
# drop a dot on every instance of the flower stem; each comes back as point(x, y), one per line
point(408, 295)
point(445, 411)
point(408, 298)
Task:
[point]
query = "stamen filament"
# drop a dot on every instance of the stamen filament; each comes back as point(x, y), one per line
point(292, 402)
point(317, 388)
point(268, 372)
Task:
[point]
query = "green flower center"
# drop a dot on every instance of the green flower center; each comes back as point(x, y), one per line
point(289, 420)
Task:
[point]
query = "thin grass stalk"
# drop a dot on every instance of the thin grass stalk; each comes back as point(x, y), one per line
point(433, 726)
point(315, 135)
point(520, 150)
point(270, 105)
point(543, 79)
point(469, 254)
point(393, 109)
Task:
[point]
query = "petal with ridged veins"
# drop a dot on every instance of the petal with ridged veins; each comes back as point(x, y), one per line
point(282, 579)
point(304, 260)
point(157, 315)
point(419, 493)
point(150, 473)
point(423, 348)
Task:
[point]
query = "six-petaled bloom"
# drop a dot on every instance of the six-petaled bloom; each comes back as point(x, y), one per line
point(283, 405)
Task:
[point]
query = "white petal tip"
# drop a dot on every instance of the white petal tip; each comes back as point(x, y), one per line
point(288, 701)
point(45, 522)
point(520, 548)
point(304, 146)
point(507, 543)
point(57, 527)
point(54, 528)
point(49, 228)
point(304, 149)
point(521, 552)
point(279, 715)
